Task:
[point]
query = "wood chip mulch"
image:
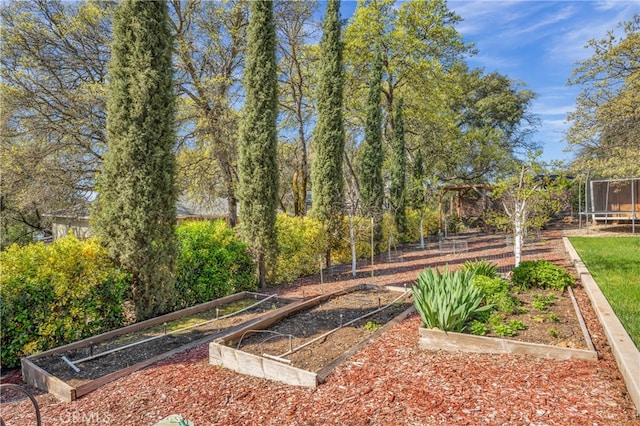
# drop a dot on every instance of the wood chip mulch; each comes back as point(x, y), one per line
point(389, 382)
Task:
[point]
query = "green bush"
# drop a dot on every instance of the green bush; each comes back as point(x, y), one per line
point(541, 274)
point(490, 286)
point(478, 328)
point(447, 300)
point(56, 294)
point(496, 292)
point(301, 244)
point(211, 263)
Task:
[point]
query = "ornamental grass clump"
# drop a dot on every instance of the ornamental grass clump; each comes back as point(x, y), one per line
point(481, 267)
point(447, 300)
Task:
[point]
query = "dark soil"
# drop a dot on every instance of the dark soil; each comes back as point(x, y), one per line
point(556, 326)
point(310, 324)
point(164, 342)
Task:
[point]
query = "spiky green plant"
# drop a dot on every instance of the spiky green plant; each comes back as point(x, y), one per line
point(447, 300)
point(481, 267)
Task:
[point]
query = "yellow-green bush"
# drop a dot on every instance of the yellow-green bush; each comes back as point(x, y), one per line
point(56, 294)
point(429, 224)
point(362, 229)
point(301, 243)
point(212, 263)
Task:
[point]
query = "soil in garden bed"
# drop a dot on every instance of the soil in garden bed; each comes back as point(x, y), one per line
point(305, 326)
point(556, 325)
point(165, 342)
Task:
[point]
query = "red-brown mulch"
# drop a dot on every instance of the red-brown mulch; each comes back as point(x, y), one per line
point(389, 382)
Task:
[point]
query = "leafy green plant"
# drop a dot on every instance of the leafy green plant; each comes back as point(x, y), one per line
point(553, 317)
point(482, 268)
point(541, 274)
point(496, 292)
point(56, 294)
point(478, 328)
point(494, 320)
point(517, 325)
point(504, 330)
point(554, 333)
point(543, 302)
point(447, 300)
point(372, 326)
point(510, 329)
point(211, 263)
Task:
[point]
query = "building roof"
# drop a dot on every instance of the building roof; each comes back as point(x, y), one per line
point(185, 208)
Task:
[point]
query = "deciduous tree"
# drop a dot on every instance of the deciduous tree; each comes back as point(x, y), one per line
point(295, 28)
point(605, 126)
point(52, 109)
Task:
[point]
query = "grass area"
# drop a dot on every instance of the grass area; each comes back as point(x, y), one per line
point(614, 262)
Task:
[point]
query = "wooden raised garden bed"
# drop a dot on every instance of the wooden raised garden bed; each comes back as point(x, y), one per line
point(73, 370)
point(302, 343)
point(435, 339)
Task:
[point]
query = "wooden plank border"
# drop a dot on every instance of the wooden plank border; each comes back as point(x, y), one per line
point(222, 354)
point(41, 379)
point(624, 351)
point(434, 339)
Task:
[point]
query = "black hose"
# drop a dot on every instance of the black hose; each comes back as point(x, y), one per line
point(26, 392)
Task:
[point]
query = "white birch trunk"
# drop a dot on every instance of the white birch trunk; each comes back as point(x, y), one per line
point(518, 225)
point(421, 230)
point(352, 242)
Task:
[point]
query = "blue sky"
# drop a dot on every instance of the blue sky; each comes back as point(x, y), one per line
point(539, 43)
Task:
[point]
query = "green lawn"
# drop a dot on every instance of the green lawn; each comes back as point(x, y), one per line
point(614, 263)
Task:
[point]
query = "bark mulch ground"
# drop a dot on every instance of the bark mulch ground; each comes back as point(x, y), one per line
point(389, 382)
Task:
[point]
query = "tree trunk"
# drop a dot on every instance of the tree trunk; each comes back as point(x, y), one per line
point(352, 242)
point(262, 273)
point(422, 229)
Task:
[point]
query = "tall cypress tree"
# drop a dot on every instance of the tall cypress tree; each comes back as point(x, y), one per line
point(328, 135)
point(371, 183)
point(257, 161)
point(136, 207)
point(397, 196)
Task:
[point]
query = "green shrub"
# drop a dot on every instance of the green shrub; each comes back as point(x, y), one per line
point(478, 328)
point(504, 330)
point(482, 267)
point(541, 302)
point(490, 286)
point(541, 274)
point(510, 329)
point(56, 294)
point(455, 224)
point(211, 263)
point(301, 244)
point(496, 292)
point(447, 300)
